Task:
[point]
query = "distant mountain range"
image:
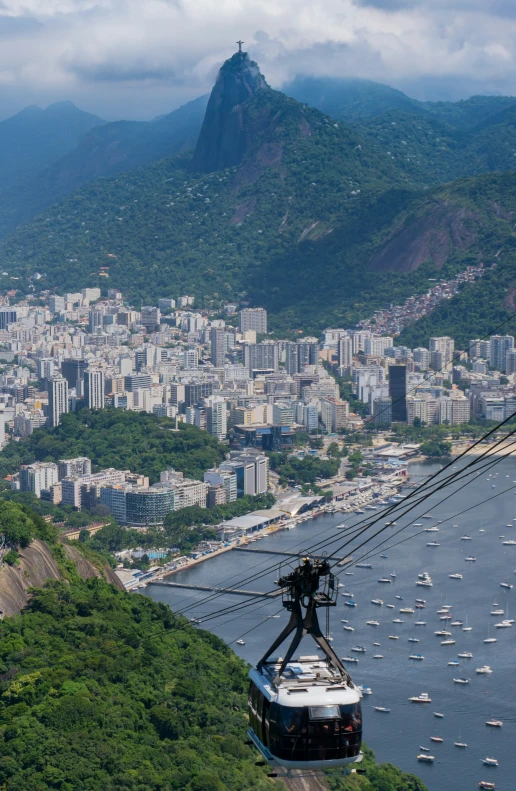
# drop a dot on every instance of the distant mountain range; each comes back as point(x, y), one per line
point(319, 219)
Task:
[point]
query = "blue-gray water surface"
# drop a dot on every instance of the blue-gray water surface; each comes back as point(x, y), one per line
point(398, 735)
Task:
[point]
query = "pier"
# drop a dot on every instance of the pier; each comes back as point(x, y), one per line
point(209, 589)
point(286, 554)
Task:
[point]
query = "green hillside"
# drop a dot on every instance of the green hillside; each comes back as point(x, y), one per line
point(135, 441)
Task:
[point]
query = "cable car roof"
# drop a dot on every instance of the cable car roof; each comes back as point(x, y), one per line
point(306, 681)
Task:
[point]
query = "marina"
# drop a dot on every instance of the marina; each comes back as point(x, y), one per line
point(468, 706)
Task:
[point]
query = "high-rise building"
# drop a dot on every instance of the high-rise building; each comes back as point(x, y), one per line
point(7, 316)
point(218, 346)
point(261, 357)
point(345, 352)
point(195, 392)
point(56, 304)
point(73, 371)
point(191, 359)
point(46, 368)
point(38, 476)
point(283, 413)
point(398, 392)
point(375, 345)
point(57, 399)
point(253, 319)
point(137, 382)
point(94, 388)
point(421, 356)
point(68, 468)
point(226, 478)
point(291, 358)
point(95, 320)
point(166, 304)
point(499, 345)
point(308, 353)
point(445, 346)
point(150, 318)
point(217, 417)
point(510, 362)
point(382, 411)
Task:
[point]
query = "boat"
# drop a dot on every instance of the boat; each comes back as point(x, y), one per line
point(390, 606)
point(490, 640)
point(438, 715)
point(437, 739)
point(447, 642)
point(460, 744)
point(359, 649)
point(465, 655)
point(422, 698)
point(419, 623)
point(433, 544)
point(489, 761)
point(398, 596)
point(349, 628)
point(377, 656)
point(456, 576)
point(427, 516)
point(424, 583)
point(347, 595)
point(465, 538)
point(506, 585)
point(376, 644)
point(497, 612)
point(413, 639)
point(486, 785)
point(453, 663)
point(510, 542)
point(417, 524)
point(420, 601)
point(425, 758)
point(461, 680)
point(351, 659)
point(417, 657)
point(393, 637)
point(442, 633)
point(494, 723)
point(384, 556)
point(424, 749)
point(432, 530)
point(373, 623)
point(470, 558)
point(363, 566)
point(407, 610)
point(365, 690)
point(385, 580)
point(420, 606)
point(447, 617)
point(456, 623)
point(424, 575)
point(377, 601)
point(240, 642)
point(382, 708)
point(397, 620)
point(485, 669)
point(503, 625)
point(349, 603)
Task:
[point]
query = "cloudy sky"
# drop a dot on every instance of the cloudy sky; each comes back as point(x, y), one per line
point(139, 58)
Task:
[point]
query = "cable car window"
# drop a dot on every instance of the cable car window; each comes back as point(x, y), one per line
point(259, 716)
point(323, 712)
point(290, 720)
point(351, 716)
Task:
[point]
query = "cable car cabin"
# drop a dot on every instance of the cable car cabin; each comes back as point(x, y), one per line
point(308, 717)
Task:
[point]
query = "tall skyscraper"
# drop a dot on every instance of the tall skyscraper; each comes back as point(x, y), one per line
point(345, 352)
point(253, 319)
point(291, 358)
point(94, 388)
point(57, 399)
point(445, 346)
point(218, 346)
point(73, 371)
point(398, 392)
point(499, 345)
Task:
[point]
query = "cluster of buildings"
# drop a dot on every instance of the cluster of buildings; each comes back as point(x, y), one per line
point(129, 497)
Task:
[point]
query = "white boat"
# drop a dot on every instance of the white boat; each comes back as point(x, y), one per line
point(419, 623)
point(350, 659)
point(382, 709)
point(359, 649)
point(422, 698)
point(465, 655)
point(385, 580)
point(494, 723)
point(470, 558)
point(407, 610)
point(431, 530)
point(465, 538)
point(460, 744)
point(433, 544)
point(424, 584)
point(442, 633)
point(413, 639)
point(347, 595)
point(510, 542)
point(498, 612)
point(453, 663)
point(373, 623)
point(503, 625)
point(456, 576)
point(240, 642)
point(420, 601)
point(377, 601)
point(393, 637)
point(349, 628)
point(390, 606)
point(417, 657)
point(490, 640)
point(377, 656)
point(425, 758)
point(506, 585)
point(456, 623)
point(439, 716)
point(461, 680)
point(397, 620)
point(490, 761)
point(485, 669)
point(365, 690)
point(363, 566)
point(447, 642)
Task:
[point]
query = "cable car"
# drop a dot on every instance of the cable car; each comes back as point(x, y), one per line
point(305, 713)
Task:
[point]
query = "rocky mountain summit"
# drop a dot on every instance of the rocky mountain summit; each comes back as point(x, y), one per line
point(223, 141)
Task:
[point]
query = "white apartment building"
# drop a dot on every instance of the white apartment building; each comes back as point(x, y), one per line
point(57, 399)
point(72, 486)
point(253, 319)
point(376, 345)
point(445, 346)
point(225, 478)
point(38, 476)
point(94, 388)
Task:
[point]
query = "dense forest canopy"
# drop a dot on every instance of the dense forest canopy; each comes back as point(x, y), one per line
point(126, 440)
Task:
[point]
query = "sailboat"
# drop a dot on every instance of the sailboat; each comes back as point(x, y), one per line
point(460, 743)
point(489, 639)
point(467, 628)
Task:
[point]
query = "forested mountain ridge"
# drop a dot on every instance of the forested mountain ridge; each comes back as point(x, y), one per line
point(35, 138)
point(105, 151)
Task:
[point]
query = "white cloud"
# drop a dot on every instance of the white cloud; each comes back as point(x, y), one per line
point(138, 58)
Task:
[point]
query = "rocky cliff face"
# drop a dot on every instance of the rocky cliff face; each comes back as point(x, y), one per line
point(36, 566)
point(223, 141)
